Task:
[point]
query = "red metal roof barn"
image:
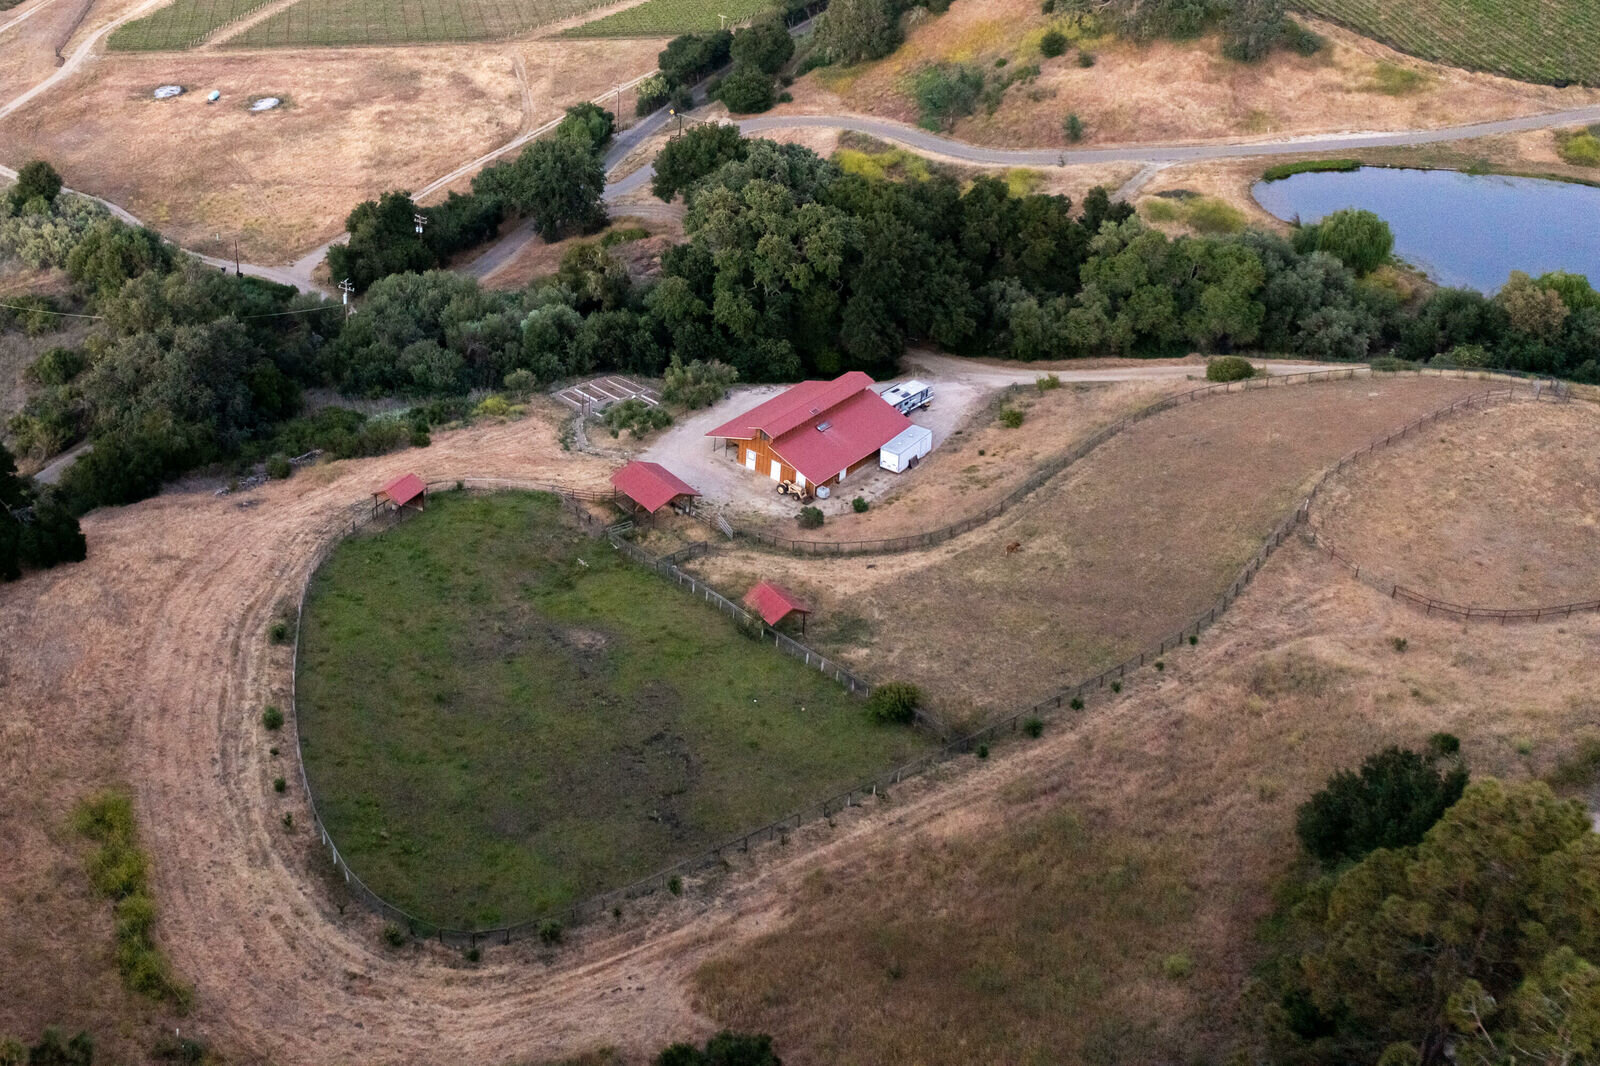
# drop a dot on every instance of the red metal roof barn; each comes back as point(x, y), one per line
point(816, 433)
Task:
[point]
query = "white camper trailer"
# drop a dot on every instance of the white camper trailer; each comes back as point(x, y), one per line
point(906, 451)
point(908, 396)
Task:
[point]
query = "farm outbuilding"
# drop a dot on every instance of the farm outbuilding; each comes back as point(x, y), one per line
point(774, 603)
point(815, 434)
point(906, 450)
point(407, 490)
point(648, 487)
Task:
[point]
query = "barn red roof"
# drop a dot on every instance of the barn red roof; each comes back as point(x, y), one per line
point(403, 489)
point(822, 427)
point(773, 602)
point(650, 485)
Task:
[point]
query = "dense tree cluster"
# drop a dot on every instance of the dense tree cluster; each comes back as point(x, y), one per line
point(36, 529)
point(725, 1049)
point(1477, 943)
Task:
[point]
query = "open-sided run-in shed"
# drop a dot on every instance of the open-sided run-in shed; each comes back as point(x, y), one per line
point(774, 603)
point(407, 490)
point(646, 488)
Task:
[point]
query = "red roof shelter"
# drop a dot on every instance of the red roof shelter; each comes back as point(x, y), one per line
point(774, 603)
point(407, 490)
point(651, 486)
point(816, 433)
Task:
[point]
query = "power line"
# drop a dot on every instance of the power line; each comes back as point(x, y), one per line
point(46, 311)
point(70, 314)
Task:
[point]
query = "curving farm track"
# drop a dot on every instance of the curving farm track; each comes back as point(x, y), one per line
point(149, 664)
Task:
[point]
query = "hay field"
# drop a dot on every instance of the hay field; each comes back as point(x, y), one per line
point(1121, 549)
point(1501, 509)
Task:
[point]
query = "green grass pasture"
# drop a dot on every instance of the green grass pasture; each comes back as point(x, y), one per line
point(493, 729)
point(668, 18)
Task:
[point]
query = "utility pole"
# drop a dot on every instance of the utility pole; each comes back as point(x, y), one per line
point(420, 220)
point(236, 269)
point(347, 288)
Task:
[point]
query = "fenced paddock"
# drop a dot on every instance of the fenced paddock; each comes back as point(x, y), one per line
point(1071, 698)
point(693, 728)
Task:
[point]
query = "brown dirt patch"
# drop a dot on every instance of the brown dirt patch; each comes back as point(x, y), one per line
point(540, 259)
point(1170, 91)
point(1123, 548)
point(1500, 508)
point(356, 122)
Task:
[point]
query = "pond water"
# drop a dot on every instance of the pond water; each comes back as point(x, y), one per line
point(1468, 230)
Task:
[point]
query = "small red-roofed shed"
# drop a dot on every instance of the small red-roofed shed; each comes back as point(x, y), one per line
point(774, 603)
point(651, 486)
point(407, 490)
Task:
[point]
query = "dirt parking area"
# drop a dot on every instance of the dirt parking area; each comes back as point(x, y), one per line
point(1122, 548)
point(1495, 509)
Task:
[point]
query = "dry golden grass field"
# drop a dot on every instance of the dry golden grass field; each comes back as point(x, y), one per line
point(1013, 910)
point(1173, 91)
point(1501, 509)
point(1121, 549)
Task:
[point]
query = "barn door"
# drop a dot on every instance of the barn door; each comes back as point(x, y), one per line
point(777, 470)
point(750, 459)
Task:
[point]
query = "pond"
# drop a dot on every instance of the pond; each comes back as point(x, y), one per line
point(1468, 230)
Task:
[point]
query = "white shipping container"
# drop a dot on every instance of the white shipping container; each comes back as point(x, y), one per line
point(906, 450)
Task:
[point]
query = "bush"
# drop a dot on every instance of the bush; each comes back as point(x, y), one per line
point(1011, 418)
point(1034, 727)
point(36, 180)
point(1229, 368)
point(278, 632)
point(279, 785)
point(272, 718)
point(1580, 149)
point(747, 91)
point(1085, 59)
point(675, 885)
point(1073, 128)
point(1177, 966)
point(394, 936)
point(810, 518)
point(1047, 383)
point(1116, 686)
point(725, 1049)
point(1052, 44)
point(278, 466)
point(945, 92)
point(859, 505)
point(894, 703)
point(1310, 166)
point(1076, 703)
point(636, 417)
point(550, 931)
point(1393, 800)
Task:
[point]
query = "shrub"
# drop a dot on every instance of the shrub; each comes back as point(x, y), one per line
point(1580, 149)
point(675, 885)
point(1076, 703)
point(1309, 166)
point(288, 821)
point(894, 703)
point(1047, 383)
point(36, 180)
point(473, 954)
point(1034, 727)
point(58, 365)
point(946, 92)
point(1399, 644)
point(1300, 40)
point(278, 466)
point(747, 91)
point(1011, 418)
point(983, 751)
point(1177, 966)
point(1085, 59)
point(279, 785)
point(859, 505)
point(1116, 686)
point(272, 718)
point(1052, 44)
point(393, 935)
point(725, 1049)
point(550, 931)
point(810, 518)
point(636, 416)
point(1390, 803)
point(1194, 638)
point(1073, 128)
point(1212, 216)
point(697, 384)
point(1160, 666)
point(1467, 356)
point(1229, 368)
